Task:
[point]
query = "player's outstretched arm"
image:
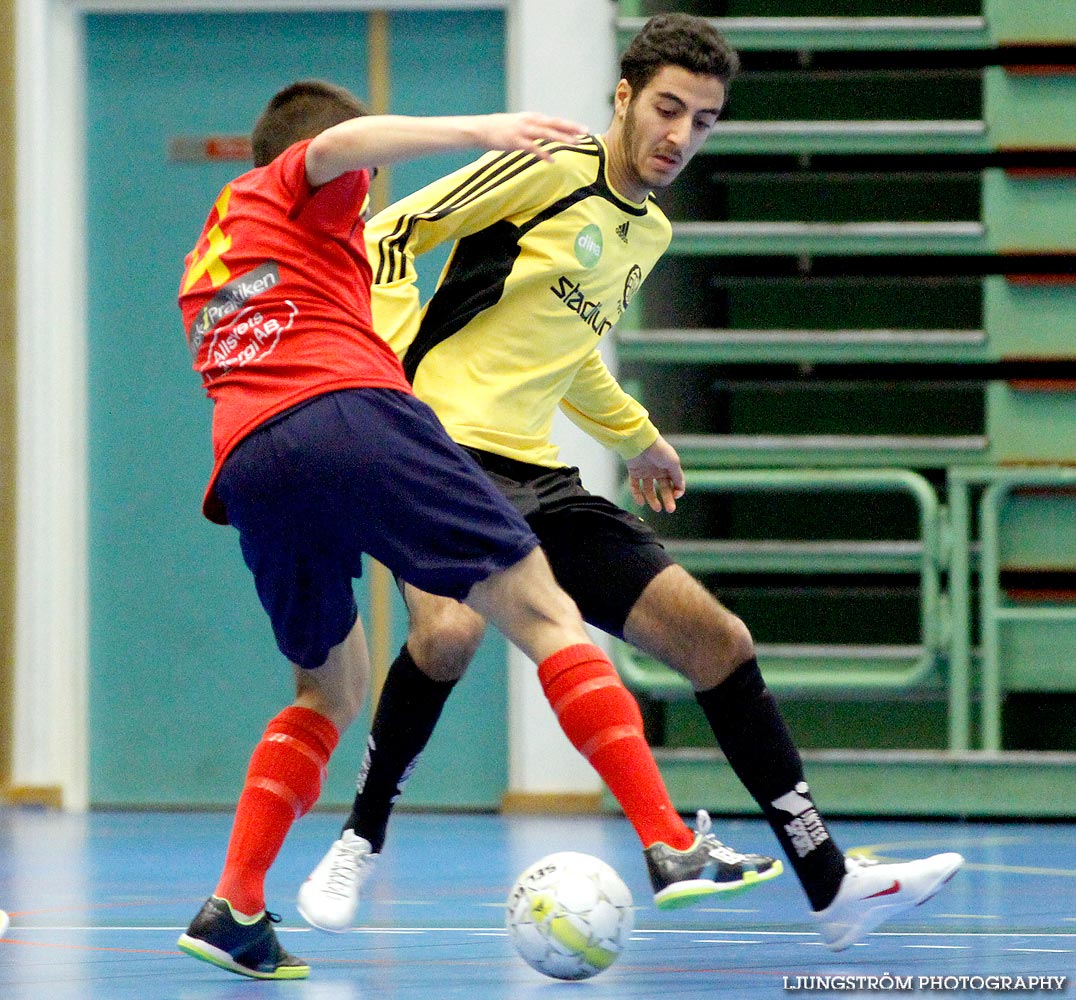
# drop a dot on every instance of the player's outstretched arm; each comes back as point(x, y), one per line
point(380, 139)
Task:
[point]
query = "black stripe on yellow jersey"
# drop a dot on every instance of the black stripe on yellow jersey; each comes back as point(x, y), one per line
point(392, 264)
point(545, 257)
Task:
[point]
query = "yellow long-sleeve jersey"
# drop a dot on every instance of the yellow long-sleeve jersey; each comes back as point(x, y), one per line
point(546, 258)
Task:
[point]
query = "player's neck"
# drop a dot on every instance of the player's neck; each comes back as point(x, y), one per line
point(623, 179)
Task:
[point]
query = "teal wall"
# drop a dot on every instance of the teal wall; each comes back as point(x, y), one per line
point(183, 671)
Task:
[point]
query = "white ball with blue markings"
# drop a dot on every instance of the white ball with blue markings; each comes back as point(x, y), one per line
point(569, 915)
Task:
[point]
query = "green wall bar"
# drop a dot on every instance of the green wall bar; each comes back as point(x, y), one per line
point(838, 33)
point(1030, 22)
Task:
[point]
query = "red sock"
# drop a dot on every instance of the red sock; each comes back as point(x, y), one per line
point(602, 719)
point(283, 782)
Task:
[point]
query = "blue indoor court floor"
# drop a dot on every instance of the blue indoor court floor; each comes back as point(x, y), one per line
point(98, 900)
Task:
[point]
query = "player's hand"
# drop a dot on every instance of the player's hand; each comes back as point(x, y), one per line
point(523, 130)
point(656, 477)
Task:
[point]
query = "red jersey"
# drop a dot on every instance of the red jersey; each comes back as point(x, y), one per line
point(275, 298)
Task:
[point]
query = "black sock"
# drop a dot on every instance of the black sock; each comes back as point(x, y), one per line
point(754, 738)
point(407, 712)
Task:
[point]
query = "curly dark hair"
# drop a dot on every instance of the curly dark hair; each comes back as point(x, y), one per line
point(301, 111)
point(678, 40)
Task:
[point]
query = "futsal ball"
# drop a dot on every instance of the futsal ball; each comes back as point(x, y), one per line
point(569, 915)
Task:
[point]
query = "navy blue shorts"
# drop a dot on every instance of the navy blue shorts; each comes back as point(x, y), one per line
point(602, 556)
point(352, 472)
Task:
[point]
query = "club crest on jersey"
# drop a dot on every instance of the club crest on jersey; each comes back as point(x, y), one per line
point(588, 246)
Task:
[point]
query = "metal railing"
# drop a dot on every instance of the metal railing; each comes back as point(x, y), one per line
point(825, 666)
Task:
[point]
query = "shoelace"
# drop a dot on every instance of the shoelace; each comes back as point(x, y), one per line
point(714, 847)
point(344, 872)
point(860, 862)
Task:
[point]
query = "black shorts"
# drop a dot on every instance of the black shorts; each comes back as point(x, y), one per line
point(603, 556)
point(353, 472)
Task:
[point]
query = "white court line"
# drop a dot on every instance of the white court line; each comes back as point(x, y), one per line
point(822, 944)
point(383, 930)
point(650, 931)
point(1043, 951)
point(941, 947)
point(817, 944)
point(721, 909)
point(964, 916)
point(977, 934)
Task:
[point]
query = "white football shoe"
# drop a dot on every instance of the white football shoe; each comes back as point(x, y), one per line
point(329, 898)
point(4, 921)
point(871, 893)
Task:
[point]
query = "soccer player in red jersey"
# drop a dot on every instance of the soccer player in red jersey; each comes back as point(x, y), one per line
point(323, 453)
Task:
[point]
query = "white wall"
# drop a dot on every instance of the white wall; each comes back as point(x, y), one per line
point(50, 745)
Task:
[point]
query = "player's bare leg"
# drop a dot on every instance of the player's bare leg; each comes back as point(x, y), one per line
point(526, 604)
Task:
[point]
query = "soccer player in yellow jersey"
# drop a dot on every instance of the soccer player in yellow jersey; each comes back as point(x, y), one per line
point(546, 257)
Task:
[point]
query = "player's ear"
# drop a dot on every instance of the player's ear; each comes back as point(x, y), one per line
point(621, 98)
